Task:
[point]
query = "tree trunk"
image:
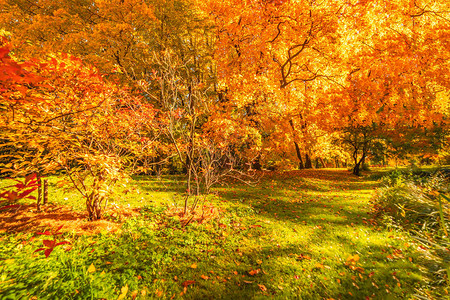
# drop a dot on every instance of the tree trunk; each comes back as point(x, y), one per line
point(357, 167)
point(322, 162)
point(308, 162)
point(297, 148)
point(256, 164)
point(93, 206)
point(336, 162)
point(299, 156)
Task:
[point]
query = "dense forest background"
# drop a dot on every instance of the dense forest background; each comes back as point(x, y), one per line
point(106, 89)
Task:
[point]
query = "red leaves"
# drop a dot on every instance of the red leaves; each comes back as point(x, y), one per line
point(254, 226)
point(188, 282)
point(21, 189)
point(56, 232)
point(50, 244)
point(9, 206)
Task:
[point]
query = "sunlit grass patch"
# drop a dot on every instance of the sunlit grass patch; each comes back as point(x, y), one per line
point(288, 238)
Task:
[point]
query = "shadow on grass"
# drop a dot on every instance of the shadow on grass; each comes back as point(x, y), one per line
point(27, 219)
point(337, 200)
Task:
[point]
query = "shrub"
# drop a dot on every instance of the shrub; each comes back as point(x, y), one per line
point(416, 202)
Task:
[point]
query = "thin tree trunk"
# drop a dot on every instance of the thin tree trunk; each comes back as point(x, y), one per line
point(357, 167)
point(299, 156)
point(308, 162)
point(322, 162)
point(190, 153)
point(297, 148)
point(256, 164)
point(336, 162)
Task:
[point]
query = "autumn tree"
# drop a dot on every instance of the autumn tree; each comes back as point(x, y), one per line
point(61, 115)
point(134, 41)
point(283, 76)
point(395, 82)
point(286, 51)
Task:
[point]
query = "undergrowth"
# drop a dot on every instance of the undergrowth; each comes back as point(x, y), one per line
point(418, 203)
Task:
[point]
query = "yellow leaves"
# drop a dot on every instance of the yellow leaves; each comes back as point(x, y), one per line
point(194, 266)
point(352, 259)
point(352, 263)
point(319, 266)
point(123, 292)
point(91, 269)
point(262, 287)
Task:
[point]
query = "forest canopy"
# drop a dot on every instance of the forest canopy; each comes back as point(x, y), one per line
point(211, 87)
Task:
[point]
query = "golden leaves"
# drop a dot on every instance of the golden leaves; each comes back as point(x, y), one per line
point(123, 292)
point(91, 268)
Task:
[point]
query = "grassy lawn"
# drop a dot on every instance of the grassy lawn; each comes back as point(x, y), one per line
point(294, 235)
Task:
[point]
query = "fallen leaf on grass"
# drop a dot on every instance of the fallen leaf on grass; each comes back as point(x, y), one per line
point(254, 226)
point(204, 277)
point(254, 272)
point(188, 282)
point(194, 266)
point(134, 294)
point(123, 292)
point(359, 269)
point(262, 287)
point(352, 259)
point(319, 266)
point(91, 268)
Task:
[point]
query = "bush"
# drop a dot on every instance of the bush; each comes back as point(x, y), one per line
point(410, 206)
point(416, 202)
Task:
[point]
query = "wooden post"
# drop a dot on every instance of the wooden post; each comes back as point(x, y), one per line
point(45, 191)
point(38, 205)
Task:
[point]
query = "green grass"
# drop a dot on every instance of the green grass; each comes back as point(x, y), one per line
point(296, 235)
